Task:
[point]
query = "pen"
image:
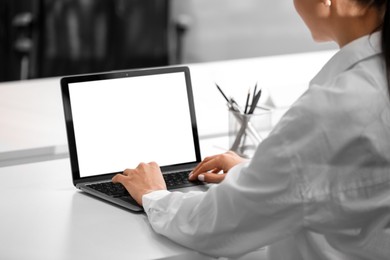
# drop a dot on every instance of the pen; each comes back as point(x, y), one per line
point(254, 94)
point(247, 101)
point(254, 103)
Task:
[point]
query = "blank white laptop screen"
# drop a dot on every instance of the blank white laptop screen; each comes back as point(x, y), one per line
point(119, 123)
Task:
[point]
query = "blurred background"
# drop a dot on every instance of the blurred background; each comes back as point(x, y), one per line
point(46, 38)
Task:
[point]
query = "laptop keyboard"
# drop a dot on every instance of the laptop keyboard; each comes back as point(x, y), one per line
point(179, 180)
point(173, 181)
point(110, 188)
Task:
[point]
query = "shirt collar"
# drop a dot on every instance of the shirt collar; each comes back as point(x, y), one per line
point(357, 50)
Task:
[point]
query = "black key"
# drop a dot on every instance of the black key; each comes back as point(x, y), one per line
point(110, 188)
point(179, 180)
point(172, 180)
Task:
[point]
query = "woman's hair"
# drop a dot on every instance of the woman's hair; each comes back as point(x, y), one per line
point(386, 39)
point(383, 6)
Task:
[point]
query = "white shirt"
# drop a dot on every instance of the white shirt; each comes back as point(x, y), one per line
point(317, 188)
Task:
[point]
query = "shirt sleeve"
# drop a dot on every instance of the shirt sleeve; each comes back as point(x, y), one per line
point(258, 203)
point(317, 172)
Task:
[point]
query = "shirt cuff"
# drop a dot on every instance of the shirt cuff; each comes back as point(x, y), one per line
point(151, 197)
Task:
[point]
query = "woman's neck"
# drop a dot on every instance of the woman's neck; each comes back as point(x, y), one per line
point(348, 29)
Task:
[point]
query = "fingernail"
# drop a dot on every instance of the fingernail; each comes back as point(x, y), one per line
point(190, 175)
point(201, 177)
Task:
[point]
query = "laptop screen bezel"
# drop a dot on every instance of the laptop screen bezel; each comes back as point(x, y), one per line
point(66, 81)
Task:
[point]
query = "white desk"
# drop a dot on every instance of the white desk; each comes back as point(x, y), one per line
point(31, 116)
point(44, 217)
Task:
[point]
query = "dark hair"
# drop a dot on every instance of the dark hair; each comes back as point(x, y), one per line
point(384, 7)
point(386, 39)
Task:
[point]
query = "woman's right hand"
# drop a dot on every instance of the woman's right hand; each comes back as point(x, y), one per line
point(209, 170)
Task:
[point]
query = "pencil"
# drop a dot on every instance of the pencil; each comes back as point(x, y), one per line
point(223, 94)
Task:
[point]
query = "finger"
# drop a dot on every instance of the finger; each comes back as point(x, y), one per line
point(211, 177)
point(154, 164)
point(141, 165)
point(216, 170)
point(204, 168)
point(208, 158)
point(194, 177)
point(118, 178)
point(206, 163)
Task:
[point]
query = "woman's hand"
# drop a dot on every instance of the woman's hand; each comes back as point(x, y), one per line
point(208, 170)
point(147, 177)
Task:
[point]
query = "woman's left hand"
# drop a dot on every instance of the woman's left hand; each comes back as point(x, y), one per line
point(208, 170)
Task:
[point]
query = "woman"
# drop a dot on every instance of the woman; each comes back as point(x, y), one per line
point(319, 186)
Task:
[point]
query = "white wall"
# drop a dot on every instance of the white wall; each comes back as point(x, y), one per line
point(231, 29)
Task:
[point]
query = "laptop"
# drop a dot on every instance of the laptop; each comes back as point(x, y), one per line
point(118, 119)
